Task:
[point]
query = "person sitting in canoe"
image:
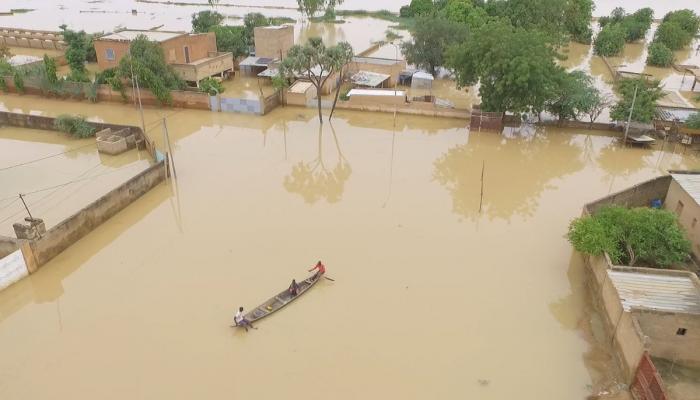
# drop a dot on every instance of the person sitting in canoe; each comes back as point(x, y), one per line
point(321, 269)
point(294, 288)
point(240, 320)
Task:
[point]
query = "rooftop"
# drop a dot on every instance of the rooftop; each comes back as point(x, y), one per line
point(256, 61)
point(129, 35)
point(374, 92)
point(690, 182)
point(367, 78)
point(375, 60)
point(300, 87)
point(660, 292)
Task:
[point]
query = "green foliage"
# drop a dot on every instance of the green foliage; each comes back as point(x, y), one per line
point(650, 236)
point(577, 20)
point(572, 95)
point(231, 39)
point(693, 121)
point(150, 68)
point(5, 51)
point(110, 77)
point(251, 21)
point(430, 39)
point(421, 7)
point(464, 12)
point(74, 125)
point(686, 19)
point(515, 67)
point(6, 69)
point(610, 40)
point(660, 55)
point(211, 86)
point(280, 82)
point(637, 25)
point(50, 68)
point(648, 92)
point(203, 21)
point(18, 80)
point(90, 91)
point(316, 62)
point(672, 35)
point(405, 12)
point(547, 16)
point(311, 7)
point(79, 49)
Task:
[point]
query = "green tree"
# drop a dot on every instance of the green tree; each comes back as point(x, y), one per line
point(571, 95)
point(211, 86)
point(648, 92)
point(547, 16)
point(430, 39)
point(315, 62)
point(660, 55)
point(311, 7)
point(610, 40)
point(686, 19)
point(515, 67)
point(251, 21)
point(464, 12)
point(577, 20)
point(342, 55)
point(50, 68)
point(5, 51)
point(231, 39)
point(421, 7)
point(204, 21)
point(646, 235)
point(78, 46)
point(594, 103)
point(637, 25)
point(74, 125)
point(148, 63)
point(672, 35)
point(693, 121)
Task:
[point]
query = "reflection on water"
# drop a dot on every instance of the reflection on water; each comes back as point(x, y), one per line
point(511, 188)
point(316, 180)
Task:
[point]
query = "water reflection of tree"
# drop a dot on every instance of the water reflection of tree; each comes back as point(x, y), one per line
point(314, 180)
point(616, 159)
point(516, 172)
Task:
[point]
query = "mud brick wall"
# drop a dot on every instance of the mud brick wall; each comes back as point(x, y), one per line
point(639, 195)
point(7, 245)
point(73, 228)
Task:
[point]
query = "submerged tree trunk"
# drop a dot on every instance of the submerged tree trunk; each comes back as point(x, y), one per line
point(318, 98)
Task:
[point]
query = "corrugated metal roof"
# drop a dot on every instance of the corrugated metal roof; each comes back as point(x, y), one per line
point(376, 92)
point(690, 183)
point(656, 292)
point(367, 78)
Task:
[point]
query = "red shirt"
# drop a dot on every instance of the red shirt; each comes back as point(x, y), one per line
point(321, 268)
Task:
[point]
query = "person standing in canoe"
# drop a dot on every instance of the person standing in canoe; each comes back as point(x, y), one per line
point(321, 269)
point(240, 320)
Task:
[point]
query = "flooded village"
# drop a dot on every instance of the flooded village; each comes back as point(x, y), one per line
point(164, 163)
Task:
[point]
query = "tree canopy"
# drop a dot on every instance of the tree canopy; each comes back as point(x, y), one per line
point(515, 67)
point(610, 40)
point(231, 39)
point(149, 67)
point(577, 20)
point(573, 95)
point(203, 21)
point(79, 50)
point(430, 39)
point(693, 121)
point(648, 92)
point(660, 55)
point(316, 62)
point(646, 235)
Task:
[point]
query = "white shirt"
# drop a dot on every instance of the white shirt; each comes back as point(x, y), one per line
point(238, 318)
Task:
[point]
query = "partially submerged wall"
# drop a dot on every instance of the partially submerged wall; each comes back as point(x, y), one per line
point(666, 341)
point(81, 223)
point(639, 195)
point(7, 245)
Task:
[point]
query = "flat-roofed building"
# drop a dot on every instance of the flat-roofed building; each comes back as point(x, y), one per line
point(193, 56)
point(273, 41)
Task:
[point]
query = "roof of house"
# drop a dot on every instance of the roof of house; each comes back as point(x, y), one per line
point(129, 35)
point(690, 182)
point(367, 78)
point(253, 61)
point(300, 87)
point(375, 92)
point(655, 291)
point(674, 113)
point(423, 75)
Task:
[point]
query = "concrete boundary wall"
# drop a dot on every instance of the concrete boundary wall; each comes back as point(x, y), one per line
point(7, 245)
point(639, 195)
point(75, 227)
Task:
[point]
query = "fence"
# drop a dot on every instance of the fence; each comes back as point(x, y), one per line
point(481, 120)
point(259, 106)
point(647, 384)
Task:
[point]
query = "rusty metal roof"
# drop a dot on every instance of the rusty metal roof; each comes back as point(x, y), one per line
point(661, 292)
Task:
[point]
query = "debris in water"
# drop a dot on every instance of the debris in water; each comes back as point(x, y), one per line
point(484, 382)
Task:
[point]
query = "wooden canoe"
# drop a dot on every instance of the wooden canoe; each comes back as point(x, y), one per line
point(281, 299)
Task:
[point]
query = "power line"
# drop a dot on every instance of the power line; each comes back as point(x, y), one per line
point(47, 157)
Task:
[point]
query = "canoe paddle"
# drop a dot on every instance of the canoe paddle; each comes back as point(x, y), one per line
point(330, 279)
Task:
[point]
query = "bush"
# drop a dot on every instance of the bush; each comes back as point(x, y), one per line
point(75, 126)
point(18, 81)
point(672, 35)
point(421, 7)
point(693, 121)
point(211, 86)
point(646, 235)
point(686, 19)
point(405, 12)
point(610, 40)
point(203, 21)
point(660, 55)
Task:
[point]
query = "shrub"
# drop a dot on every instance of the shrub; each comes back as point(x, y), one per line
point(421, 7)
point(18, 81)
point(660, 55)
point(405, 12)
point(610, 40)
point(672, 35)
point(75, 126)
point(211, 86)
point(686, 19)
point(650, 236)
point(693, 121)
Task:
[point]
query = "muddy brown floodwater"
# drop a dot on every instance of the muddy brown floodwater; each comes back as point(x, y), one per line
point(431, 299)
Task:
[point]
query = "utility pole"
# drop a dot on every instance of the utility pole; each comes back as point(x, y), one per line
point(629, 119)
point(25, 207)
